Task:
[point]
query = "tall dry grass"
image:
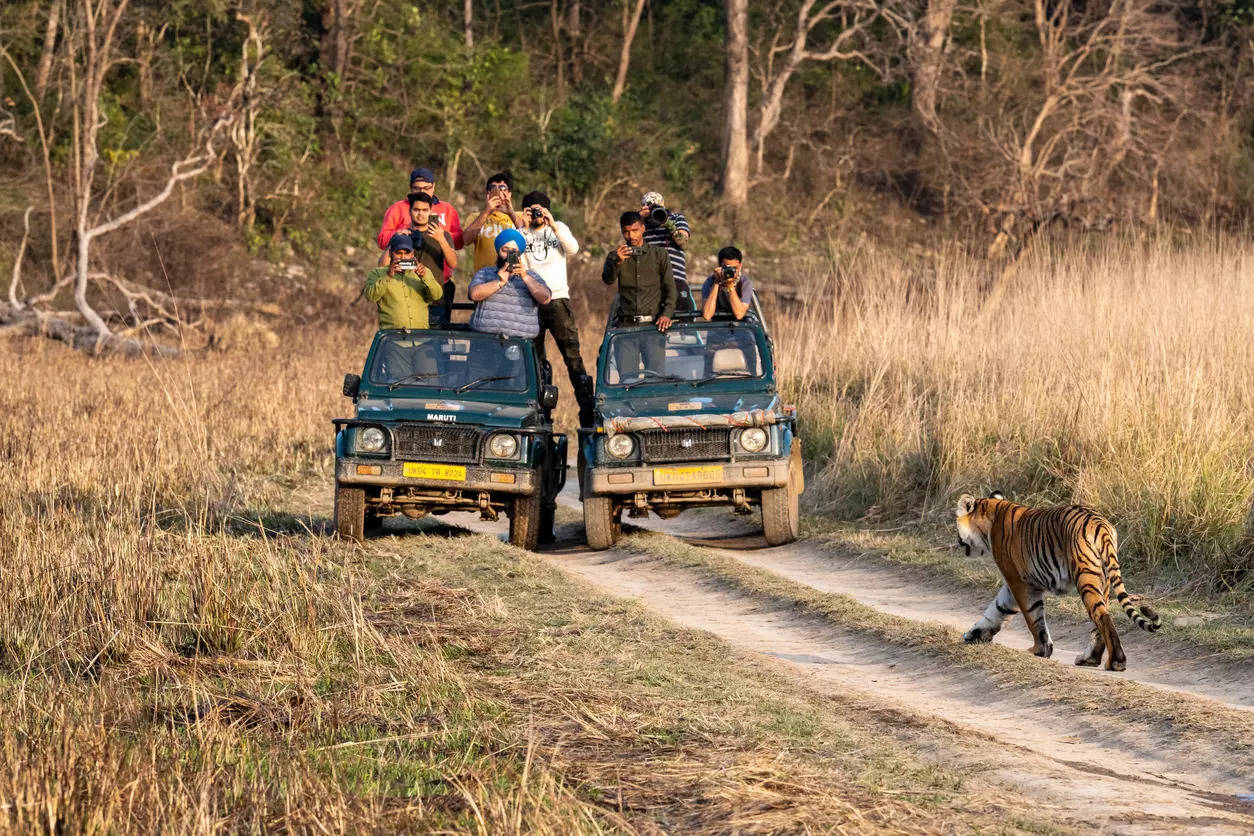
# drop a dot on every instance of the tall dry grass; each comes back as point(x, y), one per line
point(1117, 375)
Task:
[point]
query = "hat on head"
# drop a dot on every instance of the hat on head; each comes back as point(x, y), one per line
point(424, 174)
point(509, 235)
point(401, 241)
point(652, 199)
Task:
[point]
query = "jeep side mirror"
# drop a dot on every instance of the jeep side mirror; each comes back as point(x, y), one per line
point(548, 397)
point(352, 385)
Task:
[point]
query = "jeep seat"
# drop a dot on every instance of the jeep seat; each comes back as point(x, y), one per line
point(728, 360)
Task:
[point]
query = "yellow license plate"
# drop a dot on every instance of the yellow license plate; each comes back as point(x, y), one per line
point(420, 470)
point(687, 475)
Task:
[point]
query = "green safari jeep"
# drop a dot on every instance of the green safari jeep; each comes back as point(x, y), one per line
point(449, 419)
point(686, 419)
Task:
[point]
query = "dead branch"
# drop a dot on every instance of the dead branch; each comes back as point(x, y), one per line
point(17, 261)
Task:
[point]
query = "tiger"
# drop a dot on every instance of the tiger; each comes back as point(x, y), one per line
point(1041, 550)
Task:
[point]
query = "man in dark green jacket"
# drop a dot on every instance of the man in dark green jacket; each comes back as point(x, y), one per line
point(646, 285)
point(646, 296)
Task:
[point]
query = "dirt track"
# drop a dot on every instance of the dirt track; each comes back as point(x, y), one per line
point(1091, 768)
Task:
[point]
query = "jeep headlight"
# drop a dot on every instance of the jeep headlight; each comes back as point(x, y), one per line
point(620, 445)
point(503, 446)
point(753, 440)
point(371, 440)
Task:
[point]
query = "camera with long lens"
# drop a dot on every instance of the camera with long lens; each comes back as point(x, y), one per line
point(658, 215)
point(729, 272)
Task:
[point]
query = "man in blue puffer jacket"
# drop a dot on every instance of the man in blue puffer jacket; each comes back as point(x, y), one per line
point(507, 294)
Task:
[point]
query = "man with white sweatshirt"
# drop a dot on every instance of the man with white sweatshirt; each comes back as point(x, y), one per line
point(549, 244)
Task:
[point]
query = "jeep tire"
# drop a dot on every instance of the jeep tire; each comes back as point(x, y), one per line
point(601, 523)
point(350, 513)
point(524, 522)
point(781, 514)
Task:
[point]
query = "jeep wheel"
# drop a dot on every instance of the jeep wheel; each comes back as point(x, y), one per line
point(780, 514)
point(350, 513)
point(602, 525)
point(524, 522)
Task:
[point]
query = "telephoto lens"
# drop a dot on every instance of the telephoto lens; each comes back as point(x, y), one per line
point(658, 215)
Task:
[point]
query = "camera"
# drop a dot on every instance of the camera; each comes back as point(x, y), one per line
point(729, 272)
point(635, 251)
point(512, 258)
point(408, 264)
point(658, 215)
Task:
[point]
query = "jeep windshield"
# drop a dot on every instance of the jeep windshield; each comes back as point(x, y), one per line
point(689, 353)
point(462, 362)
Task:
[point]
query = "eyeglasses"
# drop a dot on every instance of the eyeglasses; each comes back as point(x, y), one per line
point(498, 187)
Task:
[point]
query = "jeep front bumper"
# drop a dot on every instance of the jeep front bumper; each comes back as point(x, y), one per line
point(684, 477)
point(478, 478)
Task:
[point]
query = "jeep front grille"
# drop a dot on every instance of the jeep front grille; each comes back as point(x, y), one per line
point(685, 445)
point(437, 444)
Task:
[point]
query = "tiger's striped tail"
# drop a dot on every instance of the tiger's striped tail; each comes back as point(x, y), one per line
point(1142, 615)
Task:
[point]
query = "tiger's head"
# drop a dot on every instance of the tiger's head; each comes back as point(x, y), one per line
point(975, 521)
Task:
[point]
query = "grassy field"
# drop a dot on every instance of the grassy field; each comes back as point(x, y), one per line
point(183, 648)
point(1114, 374)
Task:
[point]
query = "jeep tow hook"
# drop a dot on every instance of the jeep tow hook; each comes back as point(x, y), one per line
point(486, 511)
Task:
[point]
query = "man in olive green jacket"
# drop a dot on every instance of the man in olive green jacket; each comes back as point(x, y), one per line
point(646, 296)
point(402, 294)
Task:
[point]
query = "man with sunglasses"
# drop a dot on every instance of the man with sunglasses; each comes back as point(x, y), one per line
point(397, 218)
point(497, 216)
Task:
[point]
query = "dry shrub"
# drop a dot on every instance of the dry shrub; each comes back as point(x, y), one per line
point(1116, 376)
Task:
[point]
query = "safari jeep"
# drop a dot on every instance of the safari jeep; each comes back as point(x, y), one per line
point(449, 420)
point(686, 419)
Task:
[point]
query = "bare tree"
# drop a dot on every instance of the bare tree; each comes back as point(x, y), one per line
point(468, 16)
point(50, 42)
point(735, 181)
point(847, 27)
point(243, 134)
point(631, 22)
point(92, 35)
point(927, 41)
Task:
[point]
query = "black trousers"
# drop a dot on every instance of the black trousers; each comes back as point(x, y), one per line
point(557, 319)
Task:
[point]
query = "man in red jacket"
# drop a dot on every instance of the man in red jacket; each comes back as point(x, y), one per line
point(397, 218)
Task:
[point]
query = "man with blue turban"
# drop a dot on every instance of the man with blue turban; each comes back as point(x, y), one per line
point(507, 294)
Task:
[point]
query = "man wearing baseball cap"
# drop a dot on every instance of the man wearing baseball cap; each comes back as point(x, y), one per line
point(668, 230)
point(404, 289)
point(397, 218)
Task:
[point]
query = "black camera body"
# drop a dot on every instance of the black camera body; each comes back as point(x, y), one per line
point(659, 215)
point(636, 251)
point(729, 272)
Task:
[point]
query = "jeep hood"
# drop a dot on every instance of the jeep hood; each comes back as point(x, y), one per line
point(687, 402)
point(448, 410)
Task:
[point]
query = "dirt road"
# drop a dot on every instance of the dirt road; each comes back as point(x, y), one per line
point(1095, 767)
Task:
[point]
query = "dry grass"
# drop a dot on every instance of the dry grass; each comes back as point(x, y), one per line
point(1116, 375)
point(182, 648)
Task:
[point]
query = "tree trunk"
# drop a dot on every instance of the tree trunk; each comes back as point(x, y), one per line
point(927, 43)
point(736, 106)
point(574, 28)
point(50, 42)
point(468, 16)
point(630, 24)
point(559, 58)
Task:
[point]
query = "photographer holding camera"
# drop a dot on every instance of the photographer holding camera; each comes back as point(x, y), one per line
point(668, 230)
point(549, 244)
point(497, 216)
point(398, 217)
point(404, 289)
point(507, 294)
point(646, 285)
point(727, 292)
point(433, 249)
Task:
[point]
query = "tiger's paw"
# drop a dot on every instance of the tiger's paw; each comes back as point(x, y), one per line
point(1116, 664)
point(1043, 650)
point(979, 635)
point(1088, 661)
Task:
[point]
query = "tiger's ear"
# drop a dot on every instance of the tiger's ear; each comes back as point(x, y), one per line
point(966, 504)
point(997, 495)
